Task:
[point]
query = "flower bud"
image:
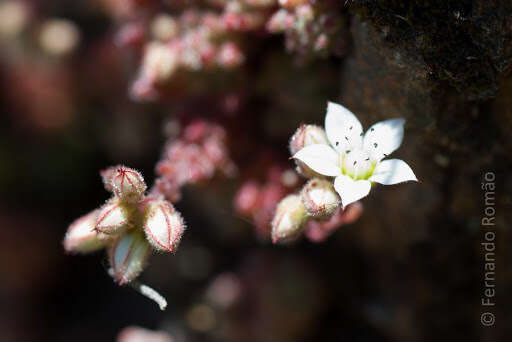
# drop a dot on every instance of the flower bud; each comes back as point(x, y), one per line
point(113, 218)
point(307, 135)
point(128, 185)
point(128, 254)
point(81, 236)
point(320, 198)
point(289, 218)
point(163, 225)
point(107, 175)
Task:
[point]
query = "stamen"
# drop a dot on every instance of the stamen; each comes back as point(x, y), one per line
point(355, 162)
point(367, 159)
point(375, 145)
point(346, 138)
point(372, 129)
point(337, 143)
point(351, 127)
point(385, 155)
point(361, 134)
point(347, 151)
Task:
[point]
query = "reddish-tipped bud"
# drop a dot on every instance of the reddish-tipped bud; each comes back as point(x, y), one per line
point(128, 185)
point(107, 175)
point(307, 135)
point(81, 236)
point(320, 198)
point(113, 218)
point(164, 226)
point(128, 255)
point(289, 219)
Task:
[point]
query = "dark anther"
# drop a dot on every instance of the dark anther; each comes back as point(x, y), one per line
point(347, 151)
point(372, 129)
point(355, 162)
point(385, 155)
point(375, 145)
point(361, 134)
point(346, 138)
point(337, 143)
point(367, 159)
point(351, 127)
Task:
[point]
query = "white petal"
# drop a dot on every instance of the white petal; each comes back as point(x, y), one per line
point(350, 190)
point(383, 138)
point(392, 171)
point(343, 129)
point(321, 158)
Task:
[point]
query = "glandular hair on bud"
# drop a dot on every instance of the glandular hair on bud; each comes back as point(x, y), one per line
point(81, 236)
point(289, 219)
point(163, 226)
point(113, 217)
point(128, 255)
point(128, 184)
point(319, 198)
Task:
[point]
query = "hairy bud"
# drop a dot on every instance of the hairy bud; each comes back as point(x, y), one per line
point(289, 218)
point(107, 175)
point(307, 135)
point(163, 226)
point(128, 254)
point(320, 198)
point(81, 236)
point(128, 185)
point(113, 217)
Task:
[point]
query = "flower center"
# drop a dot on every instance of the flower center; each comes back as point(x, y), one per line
point(357, 164)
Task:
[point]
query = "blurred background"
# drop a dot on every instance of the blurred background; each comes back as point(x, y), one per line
point(92, 83)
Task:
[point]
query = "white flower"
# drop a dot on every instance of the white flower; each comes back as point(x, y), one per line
point(356, 160)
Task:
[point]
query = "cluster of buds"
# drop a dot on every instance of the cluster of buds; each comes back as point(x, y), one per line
point(316, 209)
point(193, 157)
point(215, 36)
point(257, 201)
point(193, 41)
point(129, 225)
point(310, 27)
